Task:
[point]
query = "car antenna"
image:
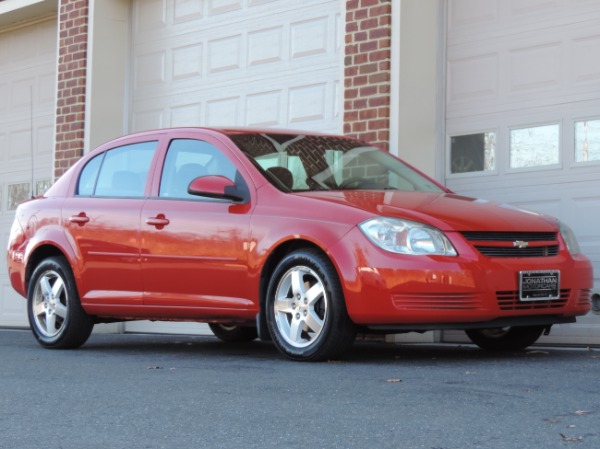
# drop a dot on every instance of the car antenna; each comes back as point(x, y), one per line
point(31, 139)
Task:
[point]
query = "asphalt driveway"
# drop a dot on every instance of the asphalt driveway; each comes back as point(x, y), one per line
point(165, 391)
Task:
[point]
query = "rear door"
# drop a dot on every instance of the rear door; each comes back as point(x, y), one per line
point(102, 220)
point(194, 249)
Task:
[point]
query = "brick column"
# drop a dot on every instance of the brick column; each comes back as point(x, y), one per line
point(70, 95)
point(367, 70)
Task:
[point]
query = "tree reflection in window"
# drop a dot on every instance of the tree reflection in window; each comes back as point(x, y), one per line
point(535, 146)
point(473, 152)
point(587, 140)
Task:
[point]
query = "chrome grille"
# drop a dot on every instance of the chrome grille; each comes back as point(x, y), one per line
point(509, 236)
point(436, 301)
point(500, 251)
point(585, 296)
point(509, 300)
point(514, 244)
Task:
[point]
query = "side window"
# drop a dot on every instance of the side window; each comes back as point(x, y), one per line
point(89, 175)
point(122, 171)
point(186, 160)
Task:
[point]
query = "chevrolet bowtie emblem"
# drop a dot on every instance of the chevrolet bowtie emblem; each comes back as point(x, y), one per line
point(520, 244)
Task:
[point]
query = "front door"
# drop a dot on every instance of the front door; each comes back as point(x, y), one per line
point(194, 248)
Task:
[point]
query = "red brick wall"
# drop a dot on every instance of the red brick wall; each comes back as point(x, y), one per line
point(367, 70)
point(70, 97)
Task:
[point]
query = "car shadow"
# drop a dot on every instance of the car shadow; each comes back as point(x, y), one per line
point(363, 352)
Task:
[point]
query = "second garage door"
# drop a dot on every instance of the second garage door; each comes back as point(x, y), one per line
point(523, 116)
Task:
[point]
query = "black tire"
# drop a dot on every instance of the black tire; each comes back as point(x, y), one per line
point(233, 333)
point(309, 321)
point(505, 339)
point(55, 314)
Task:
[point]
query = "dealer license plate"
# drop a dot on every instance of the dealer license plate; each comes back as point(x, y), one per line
point(539, 285)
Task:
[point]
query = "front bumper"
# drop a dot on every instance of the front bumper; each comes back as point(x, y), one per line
point(470, 290)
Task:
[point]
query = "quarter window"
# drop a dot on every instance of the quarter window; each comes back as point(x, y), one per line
point(89, 175)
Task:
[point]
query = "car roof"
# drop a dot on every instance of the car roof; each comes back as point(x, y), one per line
point(227, 131)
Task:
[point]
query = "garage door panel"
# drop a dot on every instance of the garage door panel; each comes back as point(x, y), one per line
point(150, 16)
point(534, 67)
point(225, 111)
point(187, 61)
point(186, 115)
point(463, 87)
point(585, 69)
point(265, 46)
point(186, 10)
point(224, 54)
point(264, 109)
point(147, 119)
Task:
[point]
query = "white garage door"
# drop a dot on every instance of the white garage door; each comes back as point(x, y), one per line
point(523, 115)
point(259, 63)
point(27, 80)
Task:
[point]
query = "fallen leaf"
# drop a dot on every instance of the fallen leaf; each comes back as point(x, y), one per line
point(155, 367)
point(393, 381)
point(582, 412)
point(570, 439)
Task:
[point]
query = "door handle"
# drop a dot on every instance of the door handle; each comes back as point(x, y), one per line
point(80, 219)
point(160, 221)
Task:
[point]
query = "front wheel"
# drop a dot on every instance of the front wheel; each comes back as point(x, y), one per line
point(505, 338)
point(55, 314)
point(306, 311)
point(231, 333)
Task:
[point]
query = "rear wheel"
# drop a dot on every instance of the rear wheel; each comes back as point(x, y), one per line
point(306, 311)
point(505, 338)
point(55, 314)
point(232, 333)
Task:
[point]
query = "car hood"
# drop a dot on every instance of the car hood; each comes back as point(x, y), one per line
point(445, 211)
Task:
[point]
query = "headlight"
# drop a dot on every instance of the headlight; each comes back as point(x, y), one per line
point(407, 237)
point(569, 237)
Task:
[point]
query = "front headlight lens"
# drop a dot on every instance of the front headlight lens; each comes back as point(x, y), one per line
point(569, 237)
point(407, 237)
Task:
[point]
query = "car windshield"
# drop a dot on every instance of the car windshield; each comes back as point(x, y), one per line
point(300, 163)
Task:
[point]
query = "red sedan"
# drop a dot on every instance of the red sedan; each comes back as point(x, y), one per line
point(301, 238)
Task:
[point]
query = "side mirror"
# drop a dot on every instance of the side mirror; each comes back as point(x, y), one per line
point(219, 187)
